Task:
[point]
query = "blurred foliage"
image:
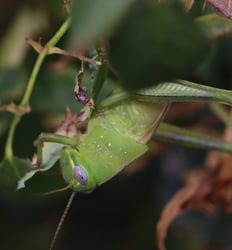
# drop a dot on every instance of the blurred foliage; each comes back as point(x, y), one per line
point(90, 24)
point(122, 213)
point(143, 58)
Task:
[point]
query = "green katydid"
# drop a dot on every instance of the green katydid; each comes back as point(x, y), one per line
point(111, 114)
point(115, 137)
point(117, 133)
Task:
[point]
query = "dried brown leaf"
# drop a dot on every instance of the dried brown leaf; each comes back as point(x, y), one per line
point(16, 109)
point(222, 184)
point(68, 125)
point(212, 160)
point(222, 7)
point(204, 189)
point(192, 195)
point(221, 194)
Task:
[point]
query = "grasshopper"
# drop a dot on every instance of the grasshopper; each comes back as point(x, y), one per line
point(118, 130)
point(117, 133)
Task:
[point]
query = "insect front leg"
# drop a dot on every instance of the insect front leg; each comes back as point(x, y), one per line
point(53, 150)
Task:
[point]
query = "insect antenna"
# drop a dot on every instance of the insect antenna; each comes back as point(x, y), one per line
point(58, 228)
point(55, 191)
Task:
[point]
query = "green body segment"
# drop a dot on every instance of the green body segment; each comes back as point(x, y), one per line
point(114, 138)
point(133, 119)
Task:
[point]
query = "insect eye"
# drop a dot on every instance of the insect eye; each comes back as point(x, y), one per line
point(80, 174)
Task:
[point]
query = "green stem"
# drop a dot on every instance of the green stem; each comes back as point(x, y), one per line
point(221, 113)
point(98, 83)
point(53, 41)
point(30, 85)
point(59, 34)
point(33, 76)
point(114, 99)
point(174, 134)
point(9, 142)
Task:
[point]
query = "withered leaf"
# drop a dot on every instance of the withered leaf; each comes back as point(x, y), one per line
point(222, 183)
point(204, 189)
point(197, 186)
point(222, 7)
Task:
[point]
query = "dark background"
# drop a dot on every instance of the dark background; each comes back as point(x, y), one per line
point(122, 213)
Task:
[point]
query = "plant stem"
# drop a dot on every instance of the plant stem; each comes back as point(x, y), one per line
point(221, 113)
point(30, 85)
point(60, 32)
point(181, 136)
point(53, 41)
point(8, 147)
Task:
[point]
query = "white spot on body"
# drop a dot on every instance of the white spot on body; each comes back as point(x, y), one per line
point(109, 144)
point(101, 136)
point(125, 152)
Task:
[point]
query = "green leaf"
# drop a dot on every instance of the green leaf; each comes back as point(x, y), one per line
point(156, 43)
point(11, 173)
point(92, 19)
